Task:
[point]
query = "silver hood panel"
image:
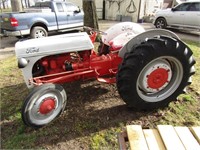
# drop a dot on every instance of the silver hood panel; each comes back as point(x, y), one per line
point(53, 45)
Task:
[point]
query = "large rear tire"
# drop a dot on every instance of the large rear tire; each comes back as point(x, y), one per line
point(154, 73)
point(43, 105)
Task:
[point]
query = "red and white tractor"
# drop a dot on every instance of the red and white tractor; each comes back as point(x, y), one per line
point(150, 68)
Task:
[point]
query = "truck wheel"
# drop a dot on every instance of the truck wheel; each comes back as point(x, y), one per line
point(43, 105)
point(161, 23)
point(154, 73)
point(38, 32)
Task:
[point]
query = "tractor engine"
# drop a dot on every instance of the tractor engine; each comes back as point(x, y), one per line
point(53, 55)
point(62, 62)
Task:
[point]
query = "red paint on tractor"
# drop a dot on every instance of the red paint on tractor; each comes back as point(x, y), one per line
point(69, 67)
point(157, 78)
point(93, 36)
point(47, 106)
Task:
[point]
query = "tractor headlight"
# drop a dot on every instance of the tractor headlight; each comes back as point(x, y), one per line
point(22, 62)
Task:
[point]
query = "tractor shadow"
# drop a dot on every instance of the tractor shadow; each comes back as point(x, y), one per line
point(91, 107)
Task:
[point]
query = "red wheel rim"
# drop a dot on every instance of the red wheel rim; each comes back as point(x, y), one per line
point(157, 78)
point(47, 106)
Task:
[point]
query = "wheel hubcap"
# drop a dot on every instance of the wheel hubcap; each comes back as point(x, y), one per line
point(39, 34)
point(160, 24)
point(159, 79)
point(156, 76)
point(47, 106)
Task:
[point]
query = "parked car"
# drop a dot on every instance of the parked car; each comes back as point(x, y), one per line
point(37, 21)
point(184, 15)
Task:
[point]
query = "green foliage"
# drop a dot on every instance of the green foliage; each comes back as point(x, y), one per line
point(105, 139)
point(196, 78)
point(81, 126)
point(183, 112)
point(20, 141)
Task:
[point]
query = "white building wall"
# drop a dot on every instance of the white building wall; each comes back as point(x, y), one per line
point(99, 6)
point(99, 3)
point(146, 7)
point(153, 4)
point(113, 10)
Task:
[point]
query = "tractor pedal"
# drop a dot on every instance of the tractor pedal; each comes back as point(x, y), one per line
point(107, 80)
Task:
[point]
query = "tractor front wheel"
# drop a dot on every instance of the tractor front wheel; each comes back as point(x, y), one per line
point(43, 105)
point(154, 73)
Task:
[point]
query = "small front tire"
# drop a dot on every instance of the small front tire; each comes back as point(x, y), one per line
point(43, 105)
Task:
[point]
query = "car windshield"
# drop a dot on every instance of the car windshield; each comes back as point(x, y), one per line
point(188, 7)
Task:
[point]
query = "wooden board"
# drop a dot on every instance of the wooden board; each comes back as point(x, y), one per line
point(170, 138)
point(136, 137)
point(153, 139)
point(186, 137)
point(165, 137)
point(196, 132)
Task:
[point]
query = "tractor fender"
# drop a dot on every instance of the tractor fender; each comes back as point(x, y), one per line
point(121, 28)
point(143, 36)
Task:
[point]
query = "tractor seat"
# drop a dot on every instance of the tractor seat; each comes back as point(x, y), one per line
point(119, 41)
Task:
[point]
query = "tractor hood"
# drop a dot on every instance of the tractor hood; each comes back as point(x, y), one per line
point(53, 45)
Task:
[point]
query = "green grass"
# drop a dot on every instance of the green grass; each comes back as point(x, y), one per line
point(15, 135)
point(105, 139)
point(196, 78)
point(186, 110)
point(19, 141)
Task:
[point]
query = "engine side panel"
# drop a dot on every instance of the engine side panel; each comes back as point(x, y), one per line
point(53, 45)
point(120, 28)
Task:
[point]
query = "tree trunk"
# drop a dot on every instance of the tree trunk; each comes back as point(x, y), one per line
point(3, 2)
point(90, 15)
point(16, 5)
point(29, 4)
point(22, 4)
point(1, 5)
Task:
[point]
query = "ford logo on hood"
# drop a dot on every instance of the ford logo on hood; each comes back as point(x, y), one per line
point(32, 50)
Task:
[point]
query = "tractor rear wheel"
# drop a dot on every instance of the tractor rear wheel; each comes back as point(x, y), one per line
point(43, 105)
point(154, 73)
